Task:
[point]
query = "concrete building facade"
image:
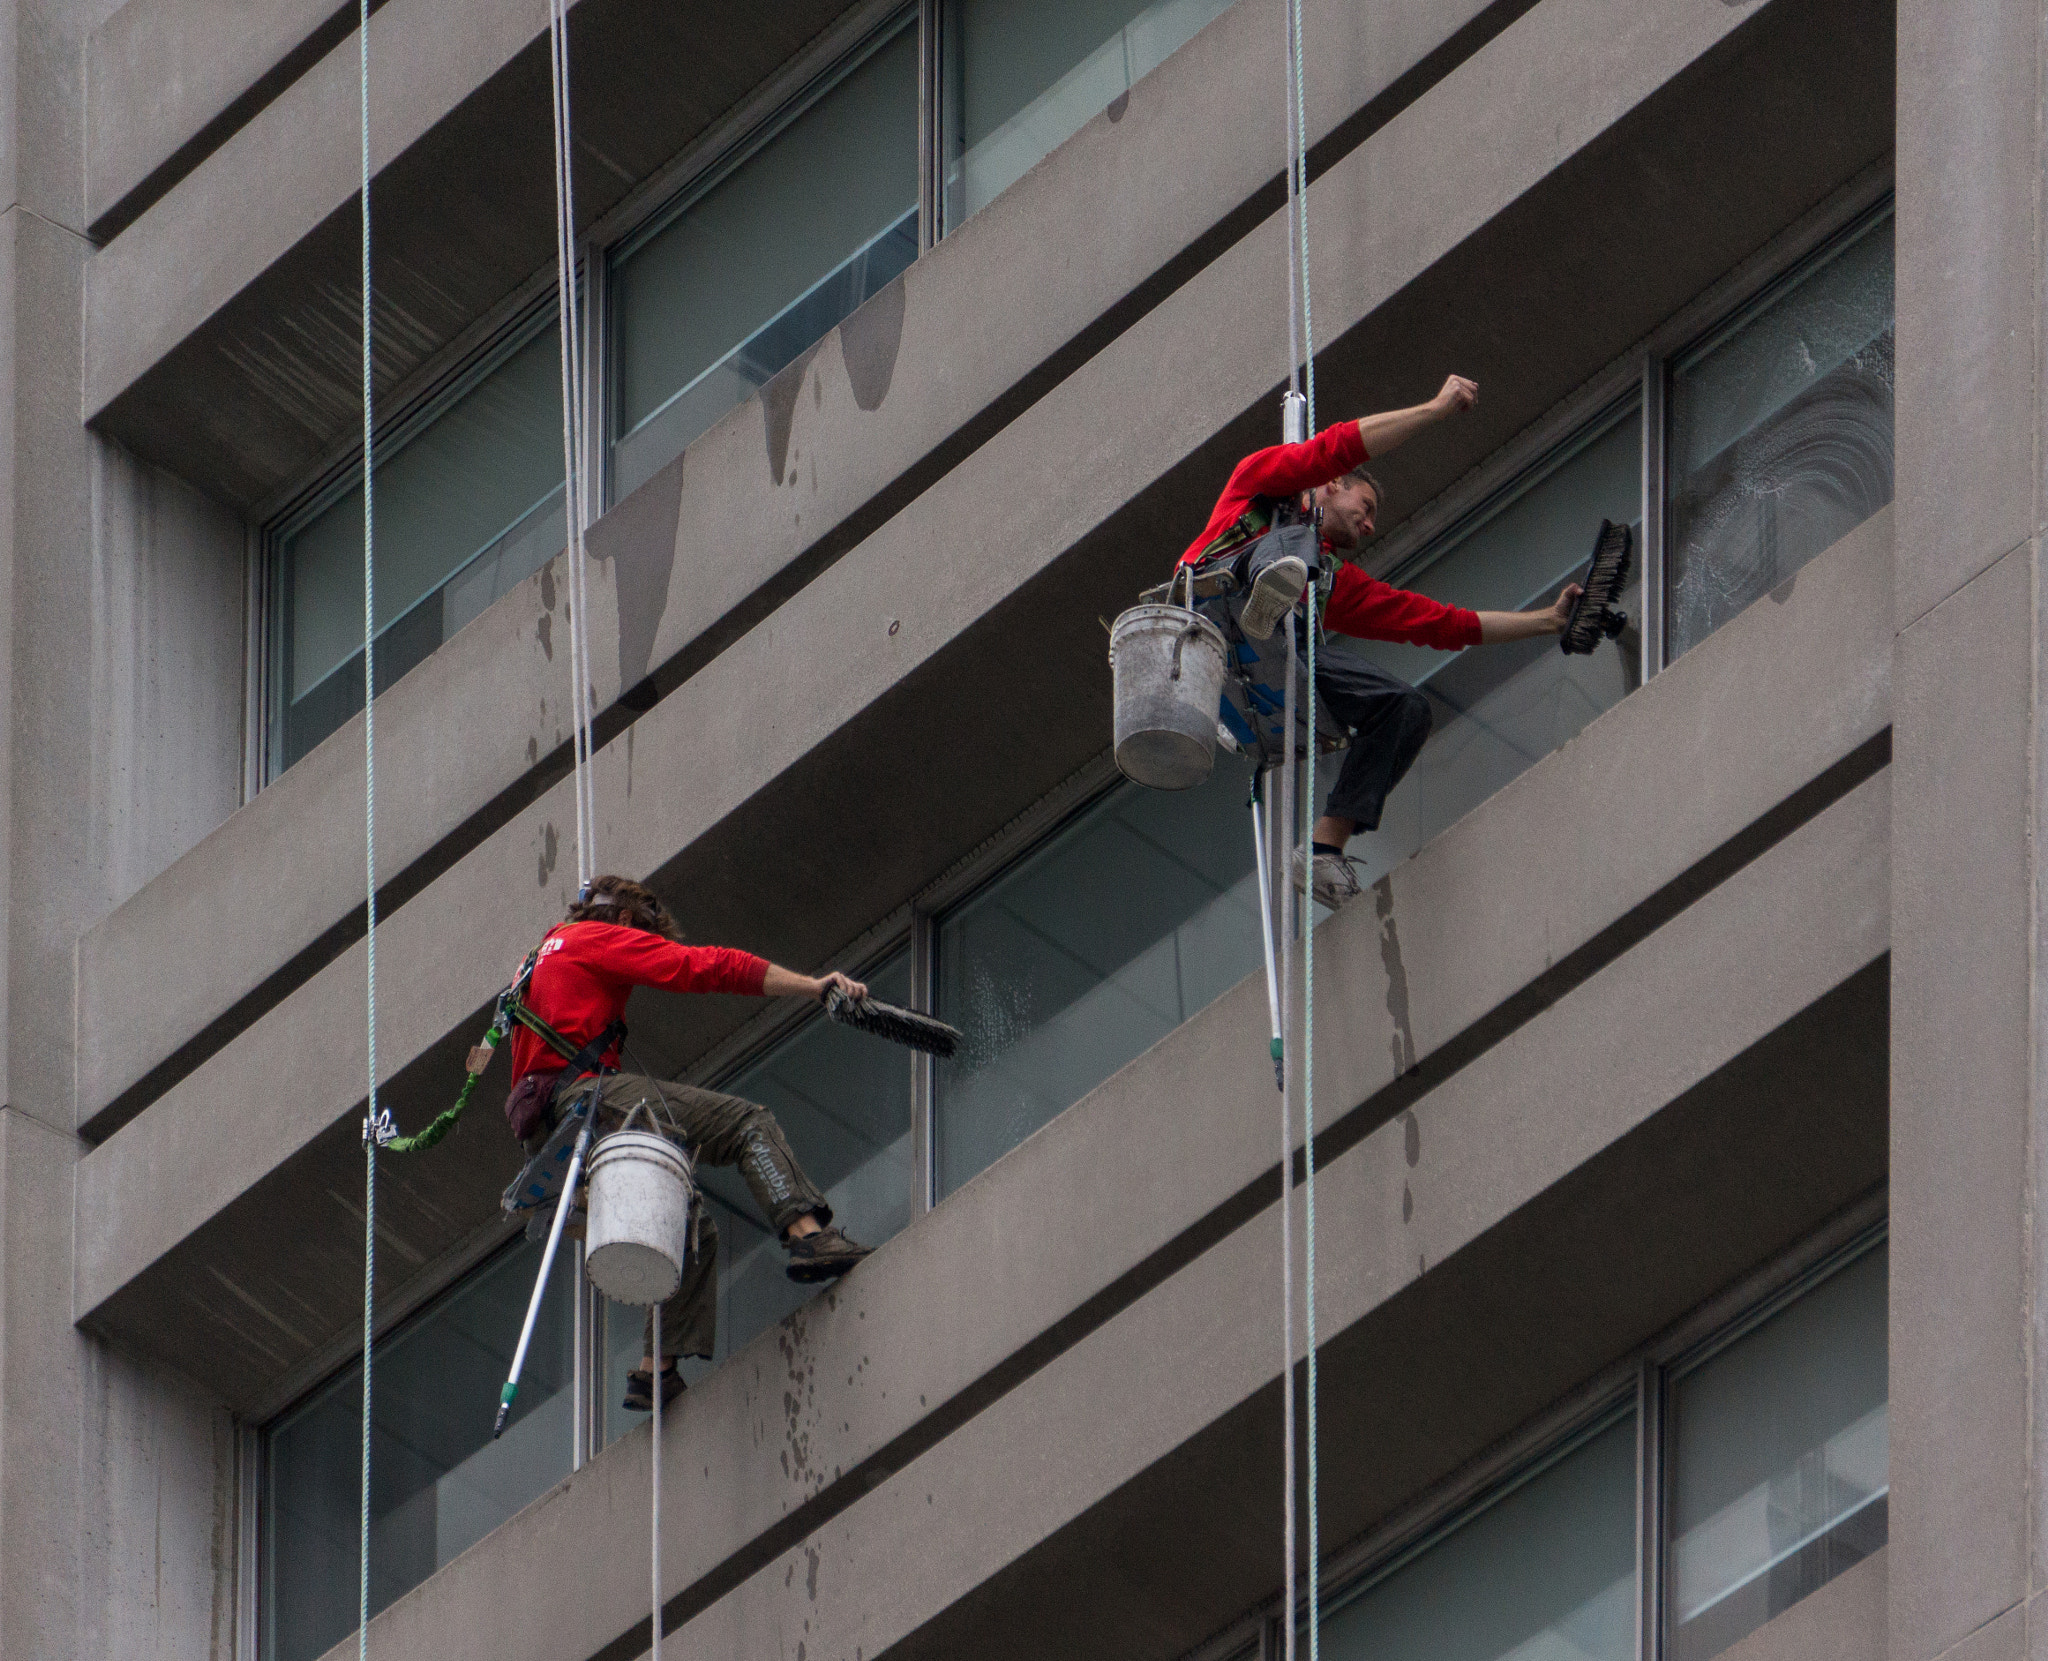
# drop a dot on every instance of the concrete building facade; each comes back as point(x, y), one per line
point(921, 334)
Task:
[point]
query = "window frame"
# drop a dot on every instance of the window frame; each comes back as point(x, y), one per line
point(1639, 1383)
point(645, 211)
point(416, 1302)
point(806, 80)
point(405, 412)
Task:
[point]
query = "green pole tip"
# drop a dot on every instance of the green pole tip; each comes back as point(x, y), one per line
point(1274, 1049)
point(505, 1395)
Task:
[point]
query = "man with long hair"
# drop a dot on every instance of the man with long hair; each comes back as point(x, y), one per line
point(616, 937)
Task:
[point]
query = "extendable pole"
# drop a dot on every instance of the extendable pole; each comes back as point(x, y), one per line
point(1263, 858)
point(540, 1285)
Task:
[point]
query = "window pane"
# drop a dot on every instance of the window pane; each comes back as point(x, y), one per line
point(467, 507)
point(1780, 1463)
point(1500, 710)
point(1092, 949)
point(844, 1099)
point(438, 1481)
point(1023, 76)
point(760, 266)
point(1781, 436)
point(1547, 1573)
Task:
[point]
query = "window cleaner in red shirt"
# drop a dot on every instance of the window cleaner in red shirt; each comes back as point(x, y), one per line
point(617, 937)
point(1326, 478)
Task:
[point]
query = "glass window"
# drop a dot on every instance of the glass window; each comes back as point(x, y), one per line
point(1138, 914)
point(468, 505)
point(1781, 435)
point(844, 1099)
point(1501, 710)
point(1023, 76)
point(1545, 1573)
point(438, 1481)
point(761, 264)
point(1780, 1461)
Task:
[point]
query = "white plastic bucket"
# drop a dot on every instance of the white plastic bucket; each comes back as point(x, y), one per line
point(639, 1217)
point(1168, 666)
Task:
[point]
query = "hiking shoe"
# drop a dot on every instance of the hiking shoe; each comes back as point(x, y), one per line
point(826, 1255)
point(1335, 879)
point(640, 1389)
point(1273, 596)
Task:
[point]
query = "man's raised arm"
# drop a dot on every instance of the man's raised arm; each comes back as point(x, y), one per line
point(1382, 433)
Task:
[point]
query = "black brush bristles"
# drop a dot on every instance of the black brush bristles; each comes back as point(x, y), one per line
point(890, 1021)
point(1597, 615)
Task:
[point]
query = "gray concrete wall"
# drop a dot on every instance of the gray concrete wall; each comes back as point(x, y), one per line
point(158, 72)
point(263, 1131)
point(168, 638)
point(121, 595)
point(1401, 1208)
point(1083, 432)
point(1968, 1555)
point(158, 1547)
point(447, 724)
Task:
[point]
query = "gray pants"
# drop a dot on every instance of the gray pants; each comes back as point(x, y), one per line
point(1388, 718)
point(715, 1129)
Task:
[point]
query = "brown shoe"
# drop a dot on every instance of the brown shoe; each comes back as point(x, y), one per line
point(640, 1389)
point(826, 1255)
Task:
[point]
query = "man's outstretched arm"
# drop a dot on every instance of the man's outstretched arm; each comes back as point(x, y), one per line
point(1497, 627)
point(1385, 432)
point(787, 983)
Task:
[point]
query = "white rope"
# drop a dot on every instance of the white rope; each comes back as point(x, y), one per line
point(369, 840)
point(1301, 371)
point(1284, 829)
point(575, 453)
point(654, 1320)
point(1299, 163)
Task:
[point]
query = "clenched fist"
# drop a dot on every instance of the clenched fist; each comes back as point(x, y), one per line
point(1457, 396)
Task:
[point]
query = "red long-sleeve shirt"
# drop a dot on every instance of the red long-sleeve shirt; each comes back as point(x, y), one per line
point(587, 970)
point(1359, 605)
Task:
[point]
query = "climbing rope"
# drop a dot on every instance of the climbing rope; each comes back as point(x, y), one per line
point(1301, 372)
point(372, 1118)
point(575, 451)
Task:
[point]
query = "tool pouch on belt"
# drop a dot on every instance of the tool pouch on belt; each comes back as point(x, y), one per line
point(531, 1104)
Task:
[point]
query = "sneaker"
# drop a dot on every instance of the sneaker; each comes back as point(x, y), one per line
point(640, 1389)
point(826, 1255)
point(1335, 879)
point(1273, 596)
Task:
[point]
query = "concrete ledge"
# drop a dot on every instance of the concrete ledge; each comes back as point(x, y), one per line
point(1659, 1039)
point(769, 486)
point(1122, 473)
point(222, 333)
point(1843, 1621)
point(159, 73)
point(263, 1136)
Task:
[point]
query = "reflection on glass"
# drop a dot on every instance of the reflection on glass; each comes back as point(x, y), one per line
point(1781, 1461)
point(1123, 925)
point(1500, 709)
point(467, 507)
point(1546, 1573)
point(755, 270)
point(1023, 76)
point(1781, 435)
point(844, 1099)
point(438, 1481)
